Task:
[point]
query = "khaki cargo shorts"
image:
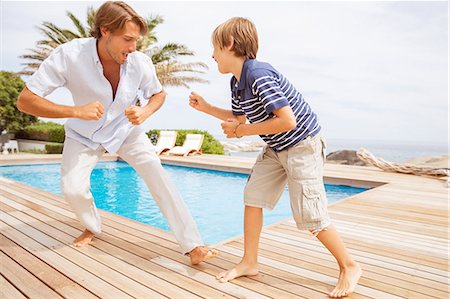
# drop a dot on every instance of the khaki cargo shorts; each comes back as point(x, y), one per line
point(301, 167)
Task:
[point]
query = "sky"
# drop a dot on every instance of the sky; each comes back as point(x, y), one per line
point(370, 70)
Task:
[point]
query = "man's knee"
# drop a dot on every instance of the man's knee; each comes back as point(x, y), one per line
point(71, 187)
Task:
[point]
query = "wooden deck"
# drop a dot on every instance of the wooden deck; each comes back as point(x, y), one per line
point(398, 231)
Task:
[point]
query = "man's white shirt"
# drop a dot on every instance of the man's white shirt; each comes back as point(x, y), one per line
point(76, 66)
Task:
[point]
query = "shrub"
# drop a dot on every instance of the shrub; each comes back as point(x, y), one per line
point(34, 151)
point(210, 144)
point(11, 119)
point(54, 148)
point(44, 131)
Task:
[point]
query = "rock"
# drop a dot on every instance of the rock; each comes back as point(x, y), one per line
point(346, 157)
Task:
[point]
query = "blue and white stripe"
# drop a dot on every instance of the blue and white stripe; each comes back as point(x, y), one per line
point(262, 90)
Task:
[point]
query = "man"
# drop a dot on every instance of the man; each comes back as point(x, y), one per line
point(106, 76)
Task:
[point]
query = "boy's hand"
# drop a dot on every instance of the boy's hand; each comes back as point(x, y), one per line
point(136, 115)
point(198, 103)
point(91, 111)
point(229, 128)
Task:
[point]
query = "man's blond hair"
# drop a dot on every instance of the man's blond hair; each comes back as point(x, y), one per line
point(243, 34)
point(113, 16)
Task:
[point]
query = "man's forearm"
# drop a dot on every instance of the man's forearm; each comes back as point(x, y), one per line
point(33, 104)
point(155, 102)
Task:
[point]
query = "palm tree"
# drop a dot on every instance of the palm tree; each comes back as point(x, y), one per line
point(170, 71)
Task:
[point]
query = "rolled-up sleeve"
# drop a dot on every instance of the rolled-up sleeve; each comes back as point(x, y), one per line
point(52, 73)
point(150, 84)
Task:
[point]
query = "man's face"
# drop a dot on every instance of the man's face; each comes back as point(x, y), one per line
point(123, 42)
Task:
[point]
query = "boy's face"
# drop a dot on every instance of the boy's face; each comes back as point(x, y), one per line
point(123, 42)
point(223, 58)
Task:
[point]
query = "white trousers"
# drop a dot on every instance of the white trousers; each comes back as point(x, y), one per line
point(78, 161)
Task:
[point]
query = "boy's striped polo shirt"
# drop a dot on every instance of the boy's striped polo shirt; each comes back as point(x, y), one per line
point(262, 90)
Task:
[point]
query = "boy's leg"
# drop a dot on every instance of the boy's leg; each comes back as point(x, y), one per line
point(349, 270)
point(252, 230)
point(139, 153)
point(309, 206)
point(264, 187)
point(78, 161)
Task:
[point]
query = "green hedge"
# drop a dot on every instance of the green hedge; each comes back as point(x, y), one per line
point(54, 148)
point(210, 144)
point(44, 131)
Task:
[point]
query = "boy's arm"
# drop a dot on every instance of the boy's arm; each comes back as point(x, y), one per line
point(199, 103)
point(224, 114)
point(283, 121)
point(30, 103)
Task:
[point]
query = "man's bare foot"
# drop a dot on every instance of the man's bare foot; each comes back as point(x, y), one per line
point(202, 254)
point(348, 279)
point(242, 269)
point(84, 239)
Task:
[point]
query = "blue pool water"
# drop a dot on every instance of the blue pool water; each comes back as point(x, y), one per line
point(215, 198)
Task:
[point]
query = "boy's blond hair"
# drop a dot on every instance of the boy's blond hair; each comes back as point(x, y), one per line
point(113, 15)
point(242, 32)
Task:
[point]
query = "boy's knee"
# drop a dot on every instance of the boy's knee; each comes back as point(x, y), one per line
point(317, 231)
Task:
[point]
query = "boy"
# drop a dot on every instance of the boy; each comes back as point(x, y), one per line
point(294, 153)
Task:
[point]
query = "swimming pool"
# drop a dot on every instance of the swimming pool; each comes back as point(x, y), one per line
point(215, 198)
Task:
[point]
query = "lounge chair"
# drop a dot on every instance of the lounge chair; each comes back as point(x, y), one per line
point(191, 146)
point(166, 141)
point(11, 145)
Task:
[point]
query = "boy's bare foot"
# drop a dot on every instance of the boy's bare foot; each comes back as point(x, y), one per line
point(348, 278)
point(202, 254)
point(84, 239)
point(242, 269)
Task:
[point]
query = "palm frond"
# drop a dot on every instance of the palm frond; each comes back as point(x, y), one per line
point(169, 70)
point(78, 25)
point(90, 19)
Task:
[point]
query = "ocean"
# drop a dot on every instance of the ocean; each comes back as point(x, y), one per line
point(388, 150)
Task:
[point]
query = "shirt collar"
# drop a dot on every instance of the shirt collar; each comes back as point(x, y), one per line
point(96, 58)
point(243, 79)
point(94, 52)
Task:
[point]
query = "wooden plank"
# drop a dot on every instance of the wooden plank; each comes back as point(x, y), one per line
point(370, 261)
point(23, 280)
point(71, 270)
point(406, 258)
point(263, 288)
point(127, 285)
point(108, 243)
point(137, 283)
point(8, 291)
point(296, 284)
point(403, 225)
point(287, 266)
point(51, 277)
point(379, 275)
point(210, 280)
point(400, 203)
point(368, 280)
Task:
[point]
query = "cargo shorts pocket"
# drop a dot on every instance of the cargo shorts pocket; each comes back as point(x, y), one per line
point(259, 159)
point(314, 203)
point(324, 149)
